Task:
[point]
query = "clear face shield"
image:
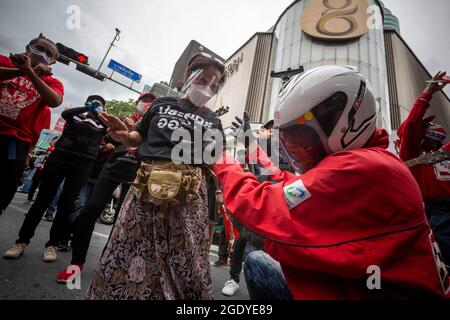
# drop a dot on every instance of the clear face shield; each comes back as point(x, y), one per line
point(200, 87)
point(301, 146)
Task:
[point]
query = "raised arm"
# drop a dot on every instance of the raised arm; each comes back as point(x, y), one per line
point(9, 73)
point(23, 62)
point(118, 130)
point(70, 113)
point(261, 207)
point(411, 131)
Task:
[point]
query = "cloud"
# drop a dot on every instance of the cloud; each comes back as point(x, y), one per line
point(155, 33)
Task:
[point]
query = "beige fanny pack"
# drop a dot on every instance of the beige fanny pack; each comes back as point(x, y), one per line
point(162, 183)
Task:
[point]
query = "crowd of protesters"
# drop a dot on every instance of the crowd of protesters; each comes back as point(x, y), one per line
point(340, 204)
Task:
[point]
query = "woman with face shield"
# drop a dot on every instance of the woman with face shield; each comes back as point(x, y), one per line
point(159, 246)
point(353, 211)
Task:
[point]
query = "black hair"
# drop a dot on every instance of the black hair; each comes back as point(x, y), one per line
point(98, 98)
point(200, 61)
point(42, 37)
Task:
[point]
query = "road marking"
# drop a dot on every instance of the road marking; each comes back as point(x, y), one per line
point(214, 249)
point(18, 208)
point(100, 235)
point(26, 211)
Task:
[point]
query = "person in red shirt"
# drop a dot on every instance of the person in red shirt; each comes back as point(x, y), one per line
point(352, 225)
point(417, 135)
point(27, 91)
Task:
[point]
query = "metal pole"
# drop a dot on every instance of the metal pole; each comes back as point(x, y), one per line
point(109, 49)
point(125, 86)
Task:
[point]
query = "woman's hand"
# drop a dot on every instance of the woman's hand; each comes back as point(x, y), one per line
point(436, 85)
point(116, 128)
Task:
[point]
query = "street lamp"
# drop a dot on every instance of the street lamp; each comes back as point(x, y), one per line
point(116, 38)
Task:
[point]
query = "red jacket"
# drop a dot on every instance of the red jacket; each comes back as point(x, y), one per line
point(434, 181)
point(354, 210)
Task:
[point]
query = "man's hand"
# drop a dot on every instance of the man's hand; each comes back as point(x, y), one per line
point(242, 124)
point(109, 147)
point(242, 128)
point(116, 128)
point(435, 86)
point(23, 62)
point(43, 70)
point(17, 58)
point(129, 123)
point(243, 132)
point(219, 197)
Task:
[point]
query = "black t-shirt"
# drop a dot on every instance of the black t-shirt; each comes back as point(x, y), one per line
point(122, 166)
point(166, 116)
point(79, 143)
point(102, 159)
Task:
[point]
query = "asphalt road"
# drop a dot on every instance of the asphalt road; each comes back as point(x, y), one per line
point(31, 279)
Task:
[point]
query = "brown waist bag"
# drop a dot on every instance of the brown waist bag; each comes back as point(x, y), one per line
point(162, 183)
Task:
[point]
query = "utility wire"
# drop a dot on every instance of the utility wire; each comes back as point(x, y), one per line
point(142, 61)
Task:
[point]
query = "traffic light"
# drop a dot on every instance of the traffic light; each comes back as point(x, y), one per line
point(67, 55)
point(82, 59)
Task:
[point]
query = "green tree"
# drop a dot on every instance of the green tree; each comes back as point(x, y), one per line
point(121, 108)
point(164, 83)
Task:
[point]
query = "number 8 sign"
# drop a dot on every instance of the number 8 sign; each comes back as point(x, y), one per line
point(335, 19)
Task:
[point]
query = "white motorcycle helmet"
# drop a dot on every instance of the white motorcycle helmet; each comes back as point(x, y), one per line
point(323, 111)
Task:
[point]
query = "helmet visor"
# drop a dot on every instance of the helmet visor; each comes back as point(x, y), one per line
point(302, 146)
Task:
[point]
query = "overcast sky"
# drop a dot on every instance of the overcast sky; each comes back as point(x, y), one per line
point(155, 32)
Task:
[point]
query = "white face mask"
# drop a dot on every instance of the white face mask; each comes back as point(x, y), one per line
point(199, 95)
point(141, 107)
point(41, 56)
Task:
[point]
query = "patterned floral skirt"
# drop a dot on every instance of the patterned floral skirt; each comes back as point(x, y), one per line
point(153, 258)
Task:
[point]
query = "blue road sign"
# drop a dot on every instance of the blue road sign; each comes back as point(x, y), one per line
point(117, 67)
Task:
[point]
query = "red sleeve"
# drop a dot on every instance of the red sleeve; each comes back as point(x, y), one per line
point(260, 156)
point(261, 207)
point(5, 62)
point(55, 84)
point(446, 147)
point(411, 131)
